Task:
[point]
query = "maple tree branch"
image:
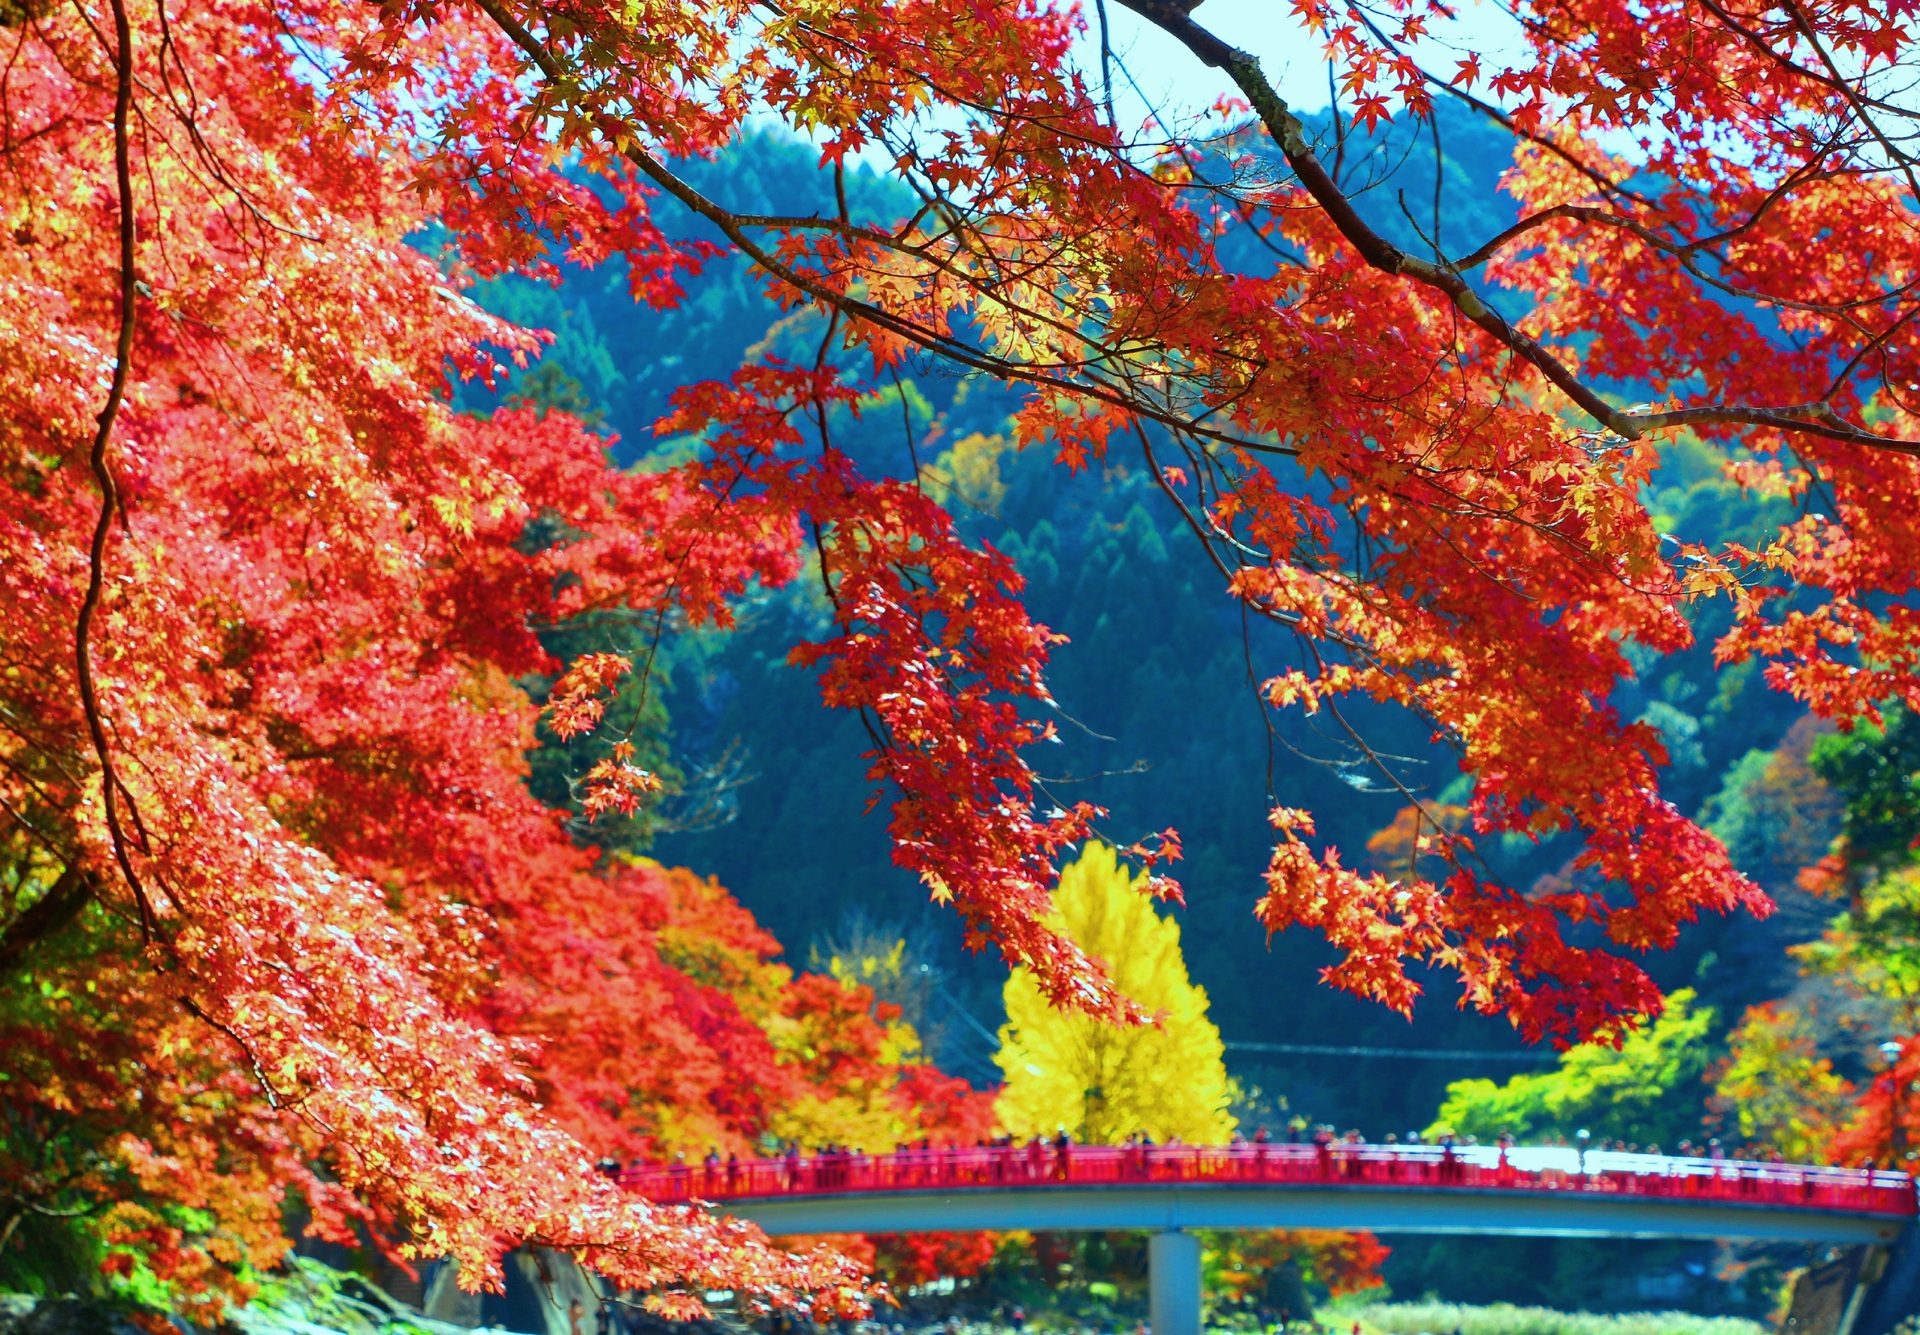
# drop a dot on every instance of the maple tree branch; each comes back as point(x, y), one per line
point(33, 831)
point(1877, 343)
point(1859, 103)
point(110, 787)
point(1684, 253)
point(944, 345)
point(1208, 532)
point(48, 916)
point(1290, 134)
point(1831, 80)
point(734, 227)
point(1817, 419)
point(275, 1099)
point(1605, 183)
point(188, 116)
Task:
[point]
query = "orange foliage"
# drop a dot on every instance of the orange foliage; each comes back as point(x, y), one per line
point(1416, 833)
point(904, 1259)
point(1344, 1262)
point(665, 1025)
point(1778, 1092)
point(1884, 1125)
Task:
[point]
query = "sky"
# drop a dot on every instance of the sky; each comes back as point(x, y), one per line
point(1173, 80)
point(1157, 78)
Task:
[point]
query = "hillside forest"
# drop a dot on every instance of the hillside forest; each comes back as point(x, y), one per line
point(1153, 696)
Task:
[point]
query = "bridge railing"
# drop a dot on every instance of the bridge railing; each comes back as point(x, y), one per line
point(1425, 1167)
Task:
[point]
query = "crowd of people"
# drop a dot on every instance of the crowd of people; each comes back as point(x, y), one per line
point(1307, 1154)
point(1008, 1158)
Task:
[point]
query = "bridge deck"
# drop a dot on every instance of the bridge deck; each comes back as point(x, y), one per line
point(1414, 1188)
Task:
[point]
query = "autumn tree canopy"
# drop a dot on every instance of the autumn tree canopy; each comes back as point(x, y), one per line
point(267, 599)
point(1785, 1084)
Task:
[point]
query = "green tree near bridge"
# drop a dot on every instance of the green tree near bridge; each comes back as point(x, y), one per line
point(1617, 1094)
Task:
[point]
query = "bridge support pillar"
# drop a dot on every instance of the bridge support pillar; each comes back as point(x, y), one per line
point(1173, 1283)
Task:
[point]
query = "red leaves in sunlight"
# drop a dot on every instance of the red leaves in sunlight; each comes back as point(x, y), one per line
point(905, 1259)
point(575, 705)
point(1509, 950)
point(933, 647)
point(1885, 1120)
point(616, 783)
point(379, 975)
point(663, 1024)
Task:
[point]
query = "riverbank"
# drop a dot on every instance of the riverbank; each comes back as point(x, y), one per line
point(312, 1300)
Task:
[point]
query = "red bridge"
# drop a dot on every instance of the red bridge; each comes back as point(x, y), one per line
point(915, 1190)
point(1396, 1189)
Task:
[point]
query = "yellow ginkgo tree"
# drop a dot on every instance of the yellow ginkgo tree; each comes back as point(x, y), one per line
point(1099, 1081)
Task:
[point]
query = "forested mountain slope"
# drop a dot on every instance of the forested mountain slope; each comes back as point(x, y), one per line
point(1158, 721)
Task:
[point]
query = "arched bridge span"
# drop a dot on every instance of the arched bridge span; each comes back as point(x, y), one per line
point(1402, 1189)
point(1397, 1189)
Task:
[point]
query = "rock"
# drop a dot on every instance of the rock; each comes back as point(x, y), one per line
point(23, 1314)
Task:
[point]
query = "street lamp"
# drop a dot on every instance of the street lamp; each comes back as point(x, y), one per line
point(1582, 1136)
point(1896, 1133)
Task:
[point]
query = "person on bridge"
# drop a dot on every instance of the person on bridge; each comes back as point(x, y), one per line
point(1176, 1163)
point(1062, 1150)
point(1356, 1165)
